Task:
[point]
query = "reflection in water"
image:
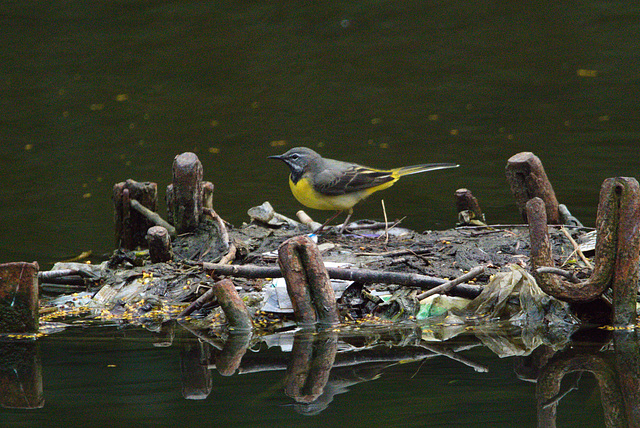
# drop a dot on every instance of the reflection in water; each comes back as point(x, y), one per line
point(317, 366)
point(20, 375)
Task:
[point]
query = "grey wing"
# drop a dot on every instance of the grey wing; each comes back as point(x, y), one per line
point(341, 178)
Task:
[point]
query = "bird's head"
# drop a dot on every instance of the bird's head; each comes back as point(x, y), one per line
point(299, 160)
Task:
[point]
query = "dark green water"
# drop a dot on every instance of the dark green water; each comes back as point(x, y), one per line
point(93, 93)
point(108, 377)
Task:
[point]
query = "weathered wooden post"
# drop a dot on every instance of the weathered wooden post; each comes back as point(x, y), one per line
point(184, 196)
point(159, 243)
point(308, 282)
point(19, 297)
point(527, 179)
point(131, 226)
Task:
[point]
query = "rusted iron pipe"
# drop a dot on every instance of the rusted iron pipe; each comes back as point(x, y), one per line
point(527, 179)
point(19, 297)
point(307, 281)
point(184, 196)
point(616, 254)
point(235, 311)
point(131, 226)
point(159, 242)
point(468, 207)
point(625, 277)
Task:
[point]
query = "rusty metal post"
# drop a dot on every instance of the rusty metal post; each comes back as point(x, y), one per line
point(159, 243)
point(625, 277)
point(235, 311)
point(617, 250)
point(307, 281)
point(527, 179)
point(207, 194)
point(19, 297)
point(468, 207)
point(184, 196)
point(131, 226)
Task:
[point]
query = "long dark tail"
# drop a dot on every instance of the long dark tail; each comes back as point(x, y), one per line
point(416, 169)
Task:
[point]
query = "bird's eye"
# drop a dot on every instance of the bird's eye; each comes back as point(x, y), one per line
point(294, 156)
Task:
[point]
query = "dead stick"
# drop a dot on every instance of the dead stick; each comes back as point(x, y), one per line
point(447, 286)
point(223, 229)
point(565, 273)
point(576, 248)
point(359, 275)
point(152, 216)
point(198, 303)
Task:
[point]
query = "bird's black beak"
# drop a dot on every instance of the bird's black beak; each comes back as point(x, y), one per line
point(275, 157)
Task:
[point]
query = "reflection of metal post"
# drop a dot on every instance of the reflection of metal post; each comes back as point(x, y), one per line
point(307, 281)
point(164, 337)
point(20, 376)
point(228, 360)
point(617, 250)
point(548, 387)
point(312, 359)
point(627, 351)
point(19, 297)
point(196, 377)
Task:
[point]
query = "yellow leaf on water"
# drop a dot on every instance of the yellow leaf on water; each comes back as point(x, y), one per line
point(587, 73)
point(122, 97)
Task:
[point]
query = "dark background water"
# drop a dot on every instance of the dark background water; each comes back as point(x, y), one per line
point(93, 93)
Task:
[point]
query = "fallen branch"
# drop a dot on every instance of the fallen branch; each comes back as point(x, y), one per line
point(565, 273)
point(447, 286)
point(358, 275)
point(152, 216)
point(229, 245)
point(576, 247)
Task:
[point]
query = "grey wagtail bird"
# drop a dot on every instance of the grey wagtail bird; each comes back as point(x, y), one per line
point(328, 184)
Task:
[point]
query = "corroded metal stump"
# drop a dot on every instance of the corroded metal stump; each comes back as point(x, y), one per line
point(308, 282)
point(617, 250)
point(159, 243)
point(527, 179)
point(184, 195)
point(19, 297)
point(131, 226)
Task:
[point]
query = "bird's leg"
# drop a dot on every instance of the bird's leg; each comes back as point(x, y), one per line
point(317, 231)
point(346, 221)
